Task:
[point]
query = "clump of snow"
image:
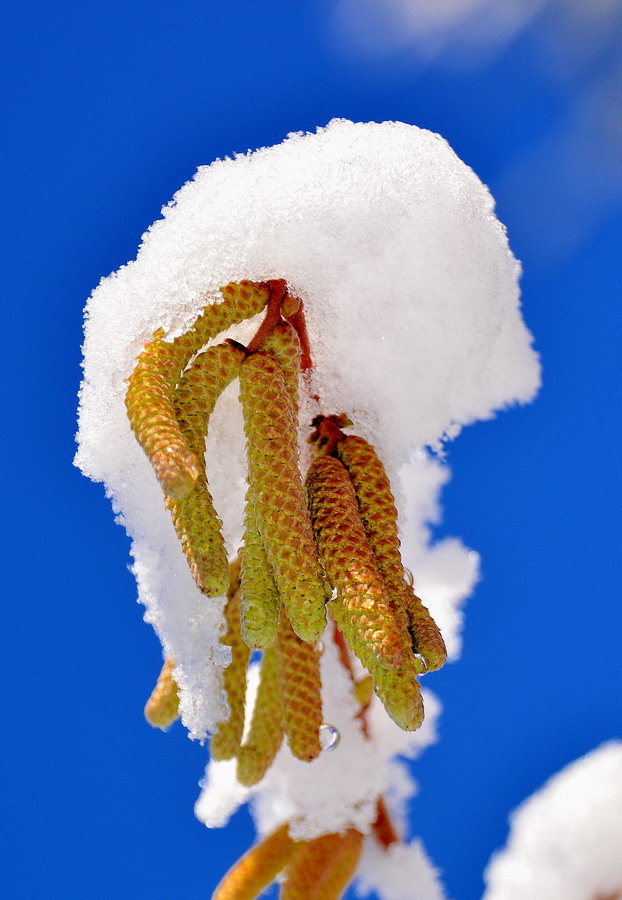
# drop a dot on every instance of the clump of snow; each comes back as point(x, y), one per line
point(565, 841)
point(401, 872)
point(411, 297)
point(338, 790)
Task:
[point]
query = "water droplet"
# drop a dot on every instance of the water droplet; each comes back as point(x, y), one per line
point(329, 736)
point(474, 555)
point(421, 664)
point(203, 783)
point(459, 618)
point(320, 646)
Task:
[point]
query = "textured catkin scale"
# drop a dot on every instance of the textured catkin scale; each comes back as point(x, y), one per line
point(260, 598)
point(276, 485)
point(226, 741)
point(194, 517)
point(379, 515)
point(283, 344)
point(400, 694)
point(258, 868)
point(321, 869)
point(149, 399)
point(150, 409)
point(266, 730)
point(300, 686)
point(162, 707)
point(426, 635)
point(361, 609)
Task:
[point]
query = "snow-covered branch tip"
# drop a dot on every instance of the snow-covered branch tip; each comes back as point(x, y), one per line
point(294, 309)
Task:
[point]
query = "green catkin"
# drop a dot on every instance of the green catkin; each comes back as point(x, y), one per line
point(276, 487)
point(266, 729)
point(260, 598)
point(321, 869)
point(379, 515)
point(225, 743)
point(400, 693)
point(151, 386)
point(194, 517)
point(283, 344)
point(300, 687)
point(258, 868)
point(361, 609)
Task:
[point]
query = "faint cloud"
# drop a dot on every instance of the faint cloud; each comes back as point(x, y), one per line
point(563, 185)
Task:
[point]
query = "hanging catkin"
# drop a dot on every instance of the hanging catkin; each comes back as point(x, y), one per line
point(362, 609)
point(266, 729)
point(162, 707)
point(379, 515)
point(321, 869)
point(149, 399)
point(225, 743)
point(276, 484)
point(300, 687)
point(258, 868)
point(259, 597)
point(196, 522)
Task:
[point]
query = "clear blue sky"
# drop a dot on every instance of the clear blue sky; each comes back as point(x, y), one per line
point(107, 108)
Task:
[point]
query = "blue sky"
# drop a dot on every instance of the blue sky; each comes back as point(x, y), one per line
point(108, 108)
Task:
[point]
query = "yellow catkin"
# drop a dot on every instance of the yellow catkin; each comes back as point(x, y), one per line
point(226, 741)
point(149, 399)
point(266, 730)
point(197, 525)
point(162, 707)
point(321, 869)
point(379, 515)
point(278, 495)
point(301, 691)
point(362, 609)
point(260, 598)
point(258, 868)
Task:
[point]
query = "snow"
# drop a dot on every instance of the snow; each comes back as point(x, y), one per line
point(402, 872)
point(565, 840)
point(411, 297)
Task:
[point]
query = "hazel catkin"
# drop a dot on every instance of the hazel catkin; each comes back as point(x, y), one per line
point(225, 743)
point(194, 517)
point(276, 485)
point(162, 707)
point(301, 691)
point(258, 868)
point(361, 609)
point(379, 516)
point(266, 729)
point(149, 398)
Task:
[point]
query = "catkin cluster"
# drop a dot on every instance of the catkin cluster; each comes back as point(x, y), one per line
point(319, 869)
point(328, 544)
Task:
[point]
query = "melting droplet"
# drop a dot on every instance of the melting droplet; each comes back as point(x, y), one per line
point(329, 736)
point(203, 783)
point(320, 646)
point(421, 664)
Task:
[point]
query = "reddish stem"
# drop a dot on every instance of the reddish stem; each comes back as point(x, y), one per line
point(278, 289)
point(298, 321)
point(383, 826)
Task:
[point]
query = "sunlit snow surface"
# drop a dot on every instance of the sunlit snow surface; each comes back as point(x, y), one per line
point(411, 298)
point(566, 840)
